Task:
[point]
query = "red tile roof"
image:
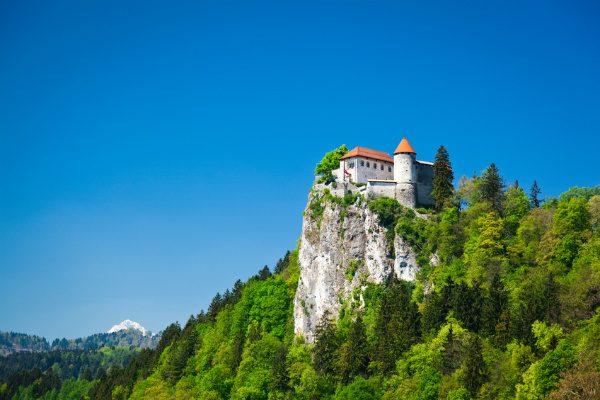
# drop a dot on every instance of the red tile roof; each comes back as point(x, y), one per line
point(404, 147)
point(364, 152)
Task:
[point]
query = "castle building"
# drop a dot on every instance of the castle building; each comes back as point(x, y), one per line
point(402, 177)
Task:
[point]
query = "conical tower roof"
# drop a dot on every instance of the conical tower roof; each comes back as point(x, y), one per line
point(404, 147)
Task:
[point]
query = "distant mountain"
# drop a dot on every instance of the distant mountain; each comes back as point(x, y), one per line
point(127, 333)
point(12, 342)
point(129, 324)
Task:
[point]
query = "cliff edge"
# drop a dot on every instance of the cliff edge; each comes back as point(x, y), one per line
point(342, 248)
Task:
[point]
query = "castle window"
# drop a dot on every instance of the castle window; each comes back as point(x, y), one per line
point(382, 167)
point(362, 163)
point(368, 164)
point(389, 169)
point(351, 165)
point(375, 165)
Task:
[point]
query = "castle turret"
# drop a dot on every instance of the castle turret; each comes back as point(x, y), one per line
point(405, 174)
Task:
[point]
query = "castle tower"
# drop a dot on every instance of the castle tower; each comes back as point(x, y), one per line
point(405, 174)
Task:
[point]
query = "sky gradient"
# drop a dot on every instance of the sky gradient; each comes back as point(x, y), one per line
point(151, 153)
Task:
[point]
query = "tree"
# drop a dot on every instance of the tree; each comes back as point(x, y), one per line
point(484, 251)
point(533, 195)
point(397, 325)
point(515, 206)
point(354, 354)
point(571, 223)
point(474, 366)
point(330, 162)
point(264, 273)
point(442, 190)
point(491, 187)
point(326, 346)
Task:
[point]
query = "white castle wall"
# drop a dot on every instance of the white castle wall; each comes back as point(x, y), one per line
point(380, 188)
point(362, 173)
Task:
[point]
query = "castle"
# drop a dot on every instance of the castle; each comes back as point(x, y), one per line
point(402, 177)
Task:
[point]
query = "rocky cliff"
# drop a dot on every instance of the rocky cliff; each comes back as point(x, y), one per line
point(342, 248)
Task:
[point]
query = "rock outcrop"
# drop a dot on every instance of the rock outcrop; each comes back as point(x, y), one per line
point(342, 248)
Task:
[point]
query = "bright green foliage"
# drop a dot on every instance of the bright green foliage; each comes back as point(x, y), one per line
point(546, 336)
point(353, 266)
point(594, 207)
point(459, 394)
point(571, 225)
point(515, 206)
point(442, 188)
point(255, 373)
point(360, 388)
point(530, 232)
point(330, 162)
point(543, 375)
point(484, 250)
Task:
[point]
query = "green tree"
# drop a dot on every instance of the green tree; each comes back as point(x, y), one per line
point(397, 325)
point(534, 193)
point(515, 206)
point(473, 366)
point(354, 353)
point(326, 348)
point(491, 187)
point(329, 163)
point(484, 251)
point(442, 189)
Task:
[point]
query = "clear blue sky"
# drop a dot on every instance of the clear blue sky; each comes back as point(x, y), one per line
point(153, 152)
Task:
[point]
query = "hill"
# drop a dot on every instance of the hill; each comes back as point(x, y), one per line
point(491, 295)
point(11, 342)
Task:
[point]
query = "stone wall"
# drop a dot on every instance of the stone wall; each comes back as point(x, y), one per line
point(424, 183)
point(381, 188)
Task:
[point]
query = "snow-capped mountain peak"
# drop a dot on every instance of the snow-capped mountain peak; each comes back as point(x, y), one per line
point(129, 324)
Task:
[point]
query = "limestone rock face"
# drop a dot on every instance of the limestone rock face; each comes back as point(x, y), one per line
point(341, 250)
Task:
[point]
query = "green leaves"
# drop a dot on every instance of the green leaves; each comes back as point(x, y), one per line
point(329, 163)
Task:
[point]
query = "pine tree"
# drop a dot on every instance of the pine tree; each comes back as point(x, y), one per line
point(442, 190)
point(491, 187)
point(474, 366)
point(533, 195)
point(354, 354)
point(279, 370)
point(326, 346)
point(397, 326)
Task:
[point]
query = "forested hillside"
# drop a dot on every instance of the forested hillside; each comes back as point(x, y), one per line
point(11, 342)
point(505, 305)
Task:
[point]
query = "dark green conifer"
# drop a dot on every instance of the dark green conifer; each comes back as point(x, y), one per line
point(442, 190)
point(533, 195)
point(354, 354)
point(326, 346)
point(397, 326)
point(491, 187)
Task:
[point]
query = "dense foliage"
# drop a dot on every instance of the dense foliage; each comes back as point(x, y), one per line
point(27, 374)
point(330, 162)
point(505, 306)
